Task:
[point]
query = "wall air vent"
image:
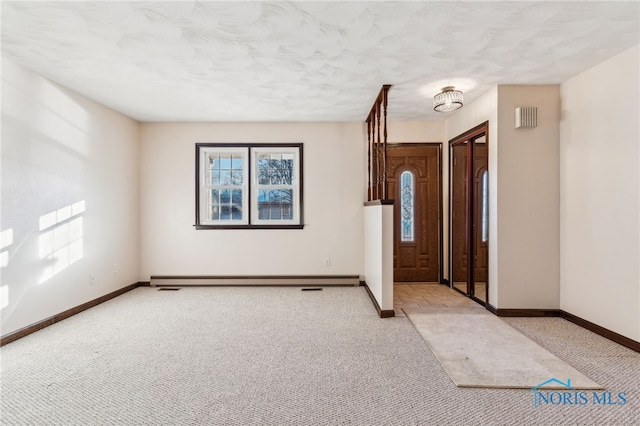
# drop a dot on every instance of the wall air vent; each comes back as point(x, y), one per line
point(526, 117)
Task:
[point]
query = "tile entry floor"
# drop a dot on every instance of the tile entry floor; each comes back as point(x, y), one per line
point(422, 295)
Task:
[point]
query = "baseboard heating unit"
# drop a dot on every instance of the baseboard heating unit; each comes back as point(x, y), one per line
point(247, 280)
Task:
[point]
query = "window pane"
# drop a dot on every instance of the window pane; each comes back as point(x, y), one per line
point(287, 211)
point(237, 162)
point(213, 209)
point(406, 206)
point(263, 204)
point(213, 175)
point(274, 162)
point(275, 204)
point(270, 204)
point(263, 169)
point(263, 212)
point(213, 212)
point(225, 161)
point(287, 161)
point(236, 177)
point(213, 196)
point(287, 196)
point(236, 212)
point(225, 196)
point(263, 196)
point(225, 212)
point(275, 169)
point(275, 211)
point(236, 196)
point(225, 177)
point(286, 175)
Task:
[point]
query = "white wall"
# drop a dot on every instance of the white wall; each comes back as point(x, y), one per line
point(334, 188)
point(415, 131)
point(69, 199)
point(528, 200)
point(378, 253)
point(600, 200)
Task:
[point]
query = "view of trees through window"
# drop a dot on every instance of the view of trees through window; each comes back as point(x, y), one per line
point(275, 186)
point(226, 175)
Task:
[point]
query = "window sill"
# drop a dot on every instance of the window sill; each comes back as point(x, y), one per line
point(235, 227)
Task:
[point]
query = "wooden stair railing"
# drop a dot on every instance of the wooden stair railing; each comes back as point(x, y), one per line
point(377, 180)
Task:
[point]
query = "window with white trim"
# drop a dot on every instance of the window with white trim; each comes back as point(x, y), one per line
point(248, 186)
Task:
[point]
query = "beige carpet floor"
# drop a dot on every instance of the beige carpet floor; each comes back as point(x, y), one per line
point(478, 349)
point(277, 356)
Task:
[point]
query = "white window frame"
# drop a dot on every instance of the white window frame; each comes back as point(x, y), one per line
point(256, 186)
point(205, 187)
point(250, 185)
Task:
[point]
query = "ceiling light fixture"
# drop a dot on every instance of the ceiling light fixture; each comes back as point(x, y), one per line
point(447, 100)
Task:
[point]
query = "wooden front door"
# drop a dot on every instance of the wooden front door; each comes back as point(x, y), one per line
point(414, 184)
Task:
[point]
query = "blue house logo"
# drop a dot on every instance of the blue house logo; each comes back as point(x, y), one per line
point(545, 395)
point(564, 394)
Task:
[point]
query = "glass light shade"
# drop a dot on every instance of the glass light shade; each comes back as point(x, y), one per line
point(447, 100)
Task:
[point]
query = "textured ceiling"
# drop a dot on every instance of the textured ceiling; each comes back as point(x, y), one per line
point(306, 61)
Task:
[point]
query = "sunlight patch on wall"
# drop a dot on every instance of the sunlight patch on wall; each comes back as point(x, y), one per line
point(6, 239)
point(60, 243)
point(4, 296)
point(40, 104)
point(62, 117)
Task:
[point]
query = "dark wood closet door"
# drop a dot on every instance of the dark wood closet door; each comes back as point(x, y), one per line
point(480, 165)
point(458, 195)
point(417, 211)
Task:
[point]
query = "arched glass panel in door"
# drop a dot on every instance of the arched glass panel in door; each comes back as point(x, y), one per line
point(407, 194)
